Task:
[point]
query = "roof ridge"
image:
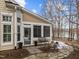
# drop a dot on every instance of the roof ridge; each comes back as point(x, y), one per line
point(13, 1)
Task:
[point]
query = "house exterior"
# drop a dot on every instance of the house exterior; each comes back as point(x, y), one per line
point(64, 33)
point(19, 25)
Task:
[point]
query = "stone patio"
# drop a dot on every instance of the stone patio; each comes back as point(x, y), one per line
point(33, 50)
point(37, 54)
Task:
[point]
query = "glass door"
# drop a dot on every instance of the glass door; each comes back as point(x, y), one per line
point(27, 36)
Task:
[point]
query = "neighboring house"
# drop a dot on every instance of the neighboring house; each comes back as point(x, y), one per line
point(19, 25)
point(64, 33)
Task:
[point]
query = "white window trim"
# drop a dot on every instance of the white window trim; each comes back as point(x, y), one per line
point(6, 14)
point(36, 23)
point(41, 30)
point(6, 23)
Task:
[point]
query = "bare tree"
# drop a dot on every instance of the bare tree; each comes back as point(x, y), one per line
point(59, 12)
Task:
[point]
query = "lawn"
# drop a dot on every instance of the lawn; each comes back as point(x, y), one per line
point(48, 49)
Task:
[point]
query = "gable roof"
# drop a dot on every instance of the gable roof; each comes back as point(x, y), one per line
point(25, 10)
point(36, 15)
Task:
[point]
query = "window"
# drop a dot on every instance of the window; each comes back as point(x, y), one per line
point(7, 18)
point(46, 31)
point(18, 19)
point(26, 32)
point(37, 31)
point(18, 33)
point(6, 33)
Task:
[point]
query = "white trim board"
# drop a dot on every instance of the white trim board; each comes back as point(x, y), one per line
point(35, 23)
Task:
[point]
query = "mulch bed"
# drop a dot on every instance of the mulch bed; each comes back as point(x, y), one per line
point(14, 54)
point(73, 55)
point(47, 49)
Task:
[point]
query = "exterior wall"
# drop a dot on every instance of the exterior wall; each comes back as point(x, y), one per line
point(14, 14)
point(0, 30)
point(7, 45)
point(6, 11)
point(31, 18)
point(2, 5)
point(18, 13)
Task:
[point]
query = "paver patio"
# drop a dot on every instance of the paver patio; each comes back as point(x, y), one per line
point(38, 54)
point(33, 50)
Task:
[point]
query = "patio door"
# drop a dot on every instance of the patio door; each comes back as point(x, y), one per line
point(27, 36)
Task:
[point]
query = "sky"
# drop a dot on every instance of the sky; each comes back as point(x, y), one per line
point(31, 5)
point(35, 6)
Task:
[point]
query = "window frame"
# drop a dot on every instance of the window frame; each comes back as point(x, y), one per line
point(18, 20)
point(6, 17)
point(18, 33)
point(46, 30)
point(6, 33)
point(37, 35)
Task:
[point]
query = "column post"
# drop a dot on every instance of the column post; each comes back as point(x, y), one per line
point(15, 31)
